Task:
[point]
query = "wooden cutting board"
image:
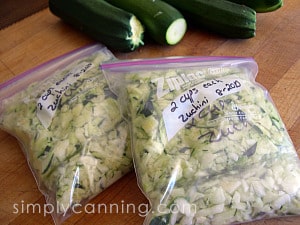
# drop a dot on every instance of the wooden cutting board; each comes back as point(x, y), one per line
point(42, 36)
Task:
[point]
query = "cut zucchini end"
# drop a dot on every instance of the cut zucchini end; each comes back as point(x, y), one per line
point(137, 32)
point(176, 31)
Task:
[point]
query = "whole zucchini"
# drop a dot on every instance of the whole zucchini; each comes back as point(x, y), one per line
point(164, 23)
point(261, 6)
point(113, 27)
point(220, 16)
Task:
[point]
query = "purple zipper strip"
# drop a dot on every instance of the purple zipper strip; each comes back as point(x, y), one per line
point(159, 61)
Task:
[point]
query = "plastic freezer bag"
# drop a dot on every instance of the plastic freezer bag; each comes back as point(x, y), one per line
point(70, 127)
point(209, 145)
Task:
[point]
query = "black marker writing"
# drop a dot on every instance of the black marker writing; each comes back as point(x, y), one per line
point(228, 87)
point(194, 110)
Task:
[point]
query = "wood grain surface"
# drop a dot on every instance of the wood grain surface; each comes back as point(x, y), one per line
point(42, 36)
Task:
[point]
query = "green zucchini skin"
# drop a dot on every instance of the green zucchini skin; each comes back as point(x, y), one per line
point(102, 21)
point(261, 6)
point(219, 16)
point(157, 16)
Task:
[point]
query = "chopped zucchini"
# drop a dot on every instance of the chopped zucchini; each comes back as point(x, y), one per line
point(84, 147)
point(228, 163)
